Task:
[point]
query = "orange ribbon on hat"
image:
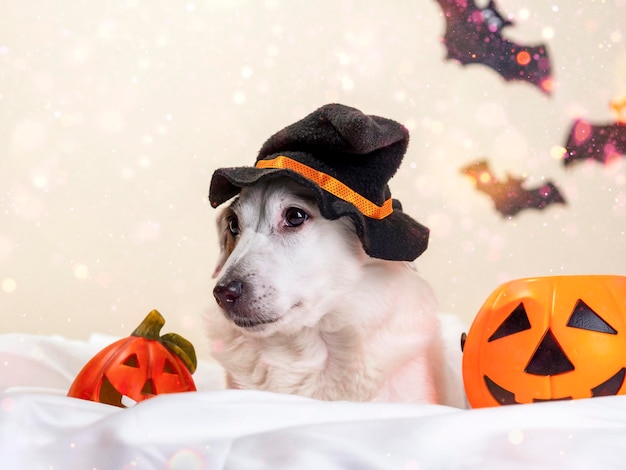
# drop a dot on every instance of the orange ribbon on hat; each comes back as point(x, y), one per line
point(331, 185)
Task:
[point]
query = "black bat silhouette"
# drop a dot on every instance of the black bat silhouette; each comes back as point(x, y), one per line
point(601, 142)
point(474, 35)
point(509, 196)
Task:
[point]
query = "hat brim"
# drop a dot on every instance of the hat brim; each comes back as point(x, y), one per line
point(397, 237)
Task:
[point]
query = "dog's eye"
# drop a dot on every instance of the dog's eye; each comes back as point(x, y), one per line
point(295, 217)
point(233, 225)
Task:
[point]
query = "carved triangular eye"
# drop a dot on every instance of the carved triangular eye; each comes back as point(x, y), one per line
point(168, 367)
point(517, 321)
point(585, 318)
point(131, 361)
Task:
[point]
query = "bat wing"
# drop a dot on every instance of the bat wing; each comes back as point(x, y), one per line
point(474, 35)
point(478, 171)
point(509, 196)
point(543, 196)
point(516, 198)
point(600, 142)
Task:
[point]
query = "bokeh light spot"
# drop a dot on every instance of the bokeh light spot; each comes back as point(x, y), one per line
point(516, 436)
point(9, 285)
point(557, 152)
point(582, 131)
point(523, 58)
point(81, 272)
point(186, 459)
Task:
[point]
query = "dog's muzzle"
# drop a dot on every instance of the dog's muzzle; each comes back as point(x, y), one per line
point(230, 296)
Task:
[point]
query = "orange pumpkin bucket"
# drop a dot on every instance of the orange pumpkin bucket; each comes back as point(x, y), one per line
point(548, 338)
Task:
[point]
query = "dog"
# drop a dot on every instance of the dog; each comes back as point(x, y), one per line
point(302, 309)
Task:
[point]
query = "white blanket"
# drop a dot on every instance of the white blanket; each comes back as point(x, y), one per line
point(41, 428)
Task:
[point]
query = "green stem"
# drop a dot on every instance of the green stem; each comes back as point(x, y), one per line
point(151, 326)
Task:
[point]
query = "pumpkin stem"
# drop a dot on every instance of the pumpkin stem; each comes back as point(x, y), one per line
point(182, 348)
point(151, 326)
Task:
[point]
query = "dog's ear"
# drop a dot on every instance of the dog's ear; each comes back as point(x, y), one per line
point(226, 240)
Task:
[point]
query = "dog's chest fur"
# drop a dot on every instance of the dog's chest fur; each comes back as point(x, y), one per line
point(320, 364)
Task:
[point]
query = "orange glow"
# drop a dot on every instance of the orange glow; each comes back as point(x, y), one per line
point(484, 177)
point(523, 58)
point(547, 85)
point(618, 107)
point(582, 131)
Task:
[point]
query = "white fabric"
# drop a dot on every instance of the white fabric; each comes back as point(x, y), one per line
point(40, 428)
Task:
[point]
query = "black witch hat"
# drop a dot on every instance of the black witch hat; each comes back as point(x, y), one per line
point(346, 158)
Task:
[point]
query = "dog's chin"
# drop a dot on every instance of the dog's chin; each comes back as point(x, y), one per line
point(251, 322)
point(265, 324)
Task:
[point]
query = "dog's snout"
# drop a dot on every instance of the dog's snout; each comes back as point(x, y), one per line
point(228, 293)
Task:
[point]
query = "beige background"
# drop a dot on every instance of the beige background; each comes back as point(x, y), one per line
point(113, 116)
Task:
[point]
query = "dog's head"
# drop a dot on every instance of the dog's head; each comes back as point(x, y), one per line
point(281, 263)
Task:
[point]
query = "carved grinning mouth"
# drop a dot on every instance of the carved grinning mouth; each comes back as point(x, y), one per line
point(110, 395)
point(607, 388)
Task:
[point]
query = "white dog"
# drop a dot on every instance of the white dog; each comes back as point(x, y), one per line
point(304, 310)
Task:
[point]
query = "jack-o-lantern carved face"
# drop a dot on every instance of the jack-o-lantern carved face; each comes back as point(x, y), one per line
point(138, 367)
point(550, 338)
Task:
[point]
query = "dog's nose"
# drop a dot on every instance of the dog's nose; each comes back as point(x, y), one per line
point(228, 293)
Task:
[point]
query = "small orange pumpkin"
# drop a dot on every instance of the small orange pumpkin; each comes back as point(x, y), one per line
point(548, 338)
point(138, 367)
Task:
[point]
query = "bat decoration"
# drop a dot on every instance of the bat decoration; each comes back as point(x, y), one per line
point(509, 196)
point(600, 142)
point(474, 36)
